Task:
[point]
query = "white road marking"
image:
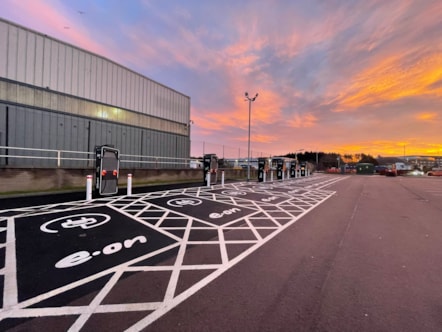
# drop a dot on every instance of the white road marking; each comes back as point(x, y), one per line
point(269, 217)
point(10, 297)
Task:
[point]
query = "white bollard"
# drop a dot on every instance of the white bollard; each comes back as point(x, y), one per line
point(88, 187)
point(222, 178)
point(283, 175)
point(264, 176)
point(271, 176)
point(129, 184)
point(208, 179)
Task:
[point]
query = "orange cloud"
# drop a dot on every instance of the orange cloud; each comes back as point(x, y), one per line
point(264, 110)
point(428, 116)
point(254, 138)
point(389, 80)
point(303, 121)
point(413, 146)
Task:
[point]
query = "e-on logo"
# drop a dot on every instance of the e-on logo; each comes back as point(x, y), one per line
point(83, 256)
point(269, 199)
point(216, 215)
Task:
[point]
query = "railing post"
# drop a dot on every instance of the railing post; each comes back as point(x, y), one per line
point(129, 184)
point(88, 187)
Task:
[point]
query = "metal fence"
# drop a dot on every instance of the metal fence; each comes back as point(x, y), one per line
point(199, 148)
point(31, 157)
point(51, 158)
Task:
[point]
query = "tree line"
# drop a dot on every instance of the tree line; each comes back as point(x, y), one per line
point(328, 160)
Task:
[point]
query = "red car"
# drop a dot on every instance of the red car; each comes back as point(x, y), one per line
point(390, 172)
point(434, 173)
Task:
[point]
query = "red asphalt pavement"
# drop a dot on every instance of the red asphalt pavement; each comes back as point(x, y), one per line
point(367, 259)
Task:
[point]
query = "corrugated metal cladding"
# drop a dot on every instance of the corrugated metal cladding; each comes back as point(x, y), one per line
point(39, 129)
point(53, 94)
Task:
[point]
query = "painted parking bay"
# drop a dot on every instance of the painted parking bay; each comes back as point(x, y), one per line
point(154, 251)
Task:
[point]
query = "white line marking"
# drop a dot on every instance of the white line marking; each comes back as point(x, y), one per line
point(168, 305)
point(79, 323)
point(10, 292)
point(296, 206)
point(222, 246)
point(171, 287)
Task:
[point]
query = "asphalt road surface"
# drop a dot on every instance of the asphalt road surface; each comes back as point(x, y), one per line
point(325, 253)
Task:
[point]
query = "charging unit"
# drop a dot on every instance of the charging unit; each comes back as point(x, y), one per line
point(107, 165)
point(279, 168)
point(210, 163)
point(303, 169)
point(293, 169)
point(262, 168)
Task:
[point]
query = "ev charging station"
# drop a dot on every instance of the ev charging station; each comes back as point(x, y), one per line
point(279, 168)
point(263, 166)
point(107, 165)
point(210, 166)
point(293, 169)
point(303, 169)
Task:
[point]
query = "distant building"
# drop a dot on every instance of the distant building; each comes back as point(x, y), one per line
point(413, 162)
point(424, 162)
point(54, 95)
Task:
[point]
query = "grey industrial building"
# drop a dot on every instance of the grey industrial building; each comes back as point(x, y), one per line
point(57, 96)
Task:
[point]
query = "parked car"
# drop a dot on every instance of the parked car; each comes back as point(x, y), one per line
point(380, 169)
point(391, 170)
point(416, 172)
point(434, 173)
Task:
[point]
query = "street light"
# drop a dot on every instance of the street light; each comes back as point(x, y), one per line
point(296, 153)
point(248, 149)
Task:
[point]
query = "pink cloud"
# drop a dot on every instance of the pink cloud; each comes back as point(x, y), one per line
point(52, 19)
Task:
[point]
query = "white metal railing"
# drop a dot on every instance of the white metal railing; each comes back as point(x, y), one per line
point(66, 157)
point(154, 160)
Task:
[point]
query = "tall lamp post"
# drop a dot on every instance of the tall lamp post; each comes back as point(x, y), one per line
point(296, 154)
point(248, 149)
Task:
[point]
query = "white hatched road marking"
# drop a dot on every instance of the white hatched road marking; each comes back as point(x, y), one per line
point(268, 218)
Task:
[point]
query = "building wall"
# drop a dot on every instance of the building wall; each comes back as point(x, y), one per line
point(57, 96)
point(40, 129)
point(16, 93)
point(38, 60)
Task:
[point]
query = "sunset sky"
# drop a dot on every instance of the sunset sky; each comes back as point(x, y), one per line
point(344, 76)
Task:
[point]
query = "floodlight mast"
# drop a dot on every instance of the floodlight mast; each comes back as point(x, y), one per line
point(248, 149)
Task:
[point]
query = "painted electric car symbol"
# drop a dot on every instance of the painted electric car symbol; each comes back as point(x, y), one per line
point(84, 221)
point(180, 202)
